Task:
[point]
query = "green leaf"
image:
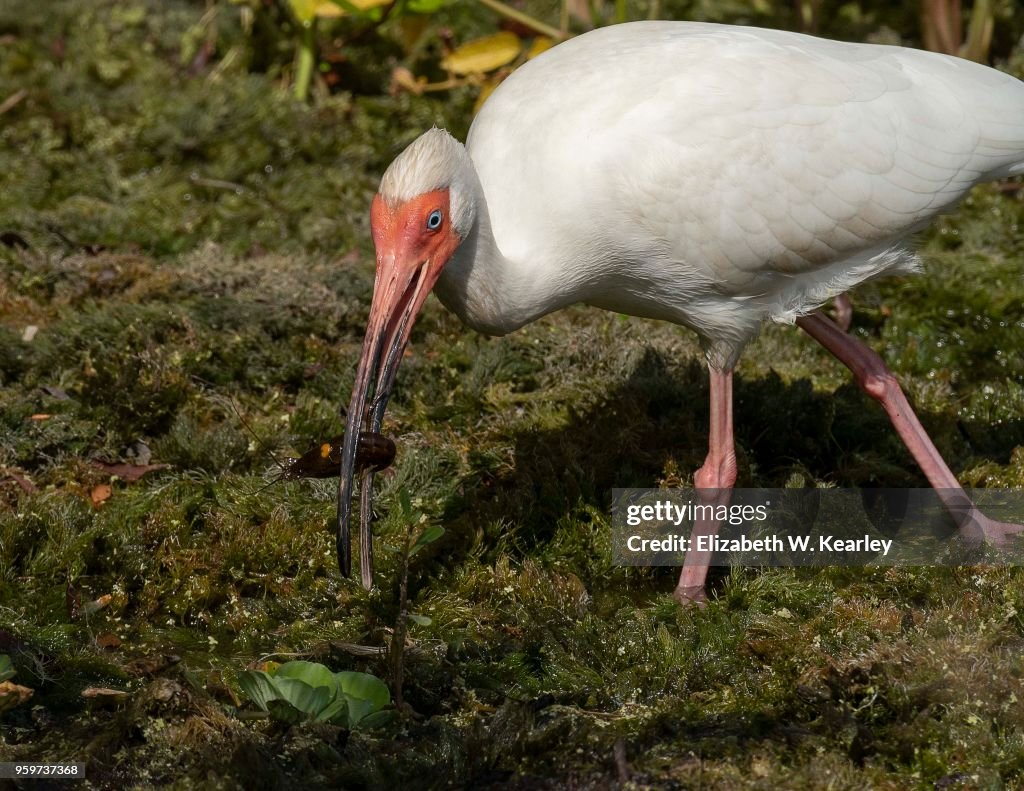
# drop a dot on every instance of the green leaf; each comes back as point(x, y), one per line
point(358, 710)
point(428, 536)
point(258, 687)
point(307, 699)
point(300, 690)
point(365, 687)
point(366, 694)
point(312, 673)
point(422, 620)
point(6, 668)
point(376, 719)
point(336, 712)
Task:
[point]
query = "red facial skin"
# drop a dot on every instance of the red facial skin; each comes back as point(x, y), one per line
point(410, 257)
point(401, 230)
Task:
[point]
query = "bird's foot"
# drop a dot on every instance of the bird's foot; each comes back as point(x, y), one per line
point(996, 534)
point(691, 595)
point(1000, 534)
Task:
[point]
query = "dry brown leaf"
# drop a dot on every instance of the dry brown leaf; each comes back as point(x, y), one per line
point(23, 483)
point(12, 695)
point(40, 416)
point(92, 607)
point(108, 641)
point(102, 696)
point(358, 650)
point(151, 665)
point(100, 494)
point(128, 472)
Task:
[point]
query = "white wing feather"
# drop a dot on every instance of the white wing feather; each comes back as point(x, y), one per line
point(719, 176)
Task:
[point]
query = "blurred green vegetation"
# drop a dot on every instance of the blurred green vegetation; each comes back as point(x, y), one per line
point(185, 272)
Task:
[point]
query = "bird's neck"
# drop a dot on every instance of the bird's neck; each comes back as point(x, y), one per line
point(488, 291)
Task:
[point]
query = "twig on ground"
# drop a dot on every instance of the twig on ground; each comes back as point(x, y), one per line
point(11, 101)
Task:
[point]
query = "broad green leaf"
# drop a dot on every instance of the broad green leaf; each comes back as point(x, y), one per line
point(312, 673)
point(422, 620)
point(483, 54)
point(358, 710)
point(307, 699)
point(307, 690)
point(428, 536)
point(6, 667)
point(365, 686)
point(376, 719)
point(336, 712)
point(366, 694)
point(258, 687)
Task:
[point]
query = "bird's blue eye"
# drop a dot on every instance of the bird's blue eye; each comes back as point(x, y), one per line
point(434, 220)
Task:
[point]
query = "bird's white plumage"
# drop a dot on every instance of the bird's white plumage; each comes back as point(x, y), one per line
point(708, 175)
point(433, 161)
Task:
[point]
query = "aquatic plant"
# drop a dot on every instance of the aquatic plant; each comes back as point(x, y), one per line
point(298, 690)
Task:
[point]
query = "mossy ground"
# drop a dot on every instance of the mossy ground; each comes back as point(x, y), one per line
point(192, 246)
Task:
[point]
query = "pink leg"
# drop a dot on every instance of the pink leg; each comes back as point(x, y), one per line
point(844, 311)
point(714, 483)
point(880, 383)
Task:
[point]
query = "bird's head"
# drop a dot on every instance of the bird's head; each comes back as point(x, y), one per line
point(421, 213)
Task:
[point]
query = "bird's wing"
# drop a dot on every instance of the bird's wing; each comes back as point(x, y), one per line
point(716, 176)
point(774, 160)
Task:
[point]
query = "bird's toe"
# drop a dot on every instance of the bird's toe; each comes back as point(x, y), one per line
point(691, 596)
point(1001, 534)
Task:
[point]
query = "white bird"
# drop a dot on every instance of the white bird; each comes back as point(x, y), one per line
point(712, 176)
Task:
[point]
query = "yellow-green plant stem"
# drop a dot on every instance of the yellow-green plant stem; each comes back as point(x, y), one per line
point(305, 58)
point(524, 19)
point(979, 32)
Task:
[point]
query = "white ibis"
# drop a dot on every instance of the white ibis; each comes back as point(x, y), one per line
point(715, 177)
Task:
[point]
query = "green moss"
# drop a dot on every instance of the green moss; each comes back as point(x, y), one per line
point(199, 273)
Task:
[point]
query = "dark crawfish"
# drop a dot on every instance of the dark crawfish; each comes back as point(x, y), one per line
point(375, 452)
